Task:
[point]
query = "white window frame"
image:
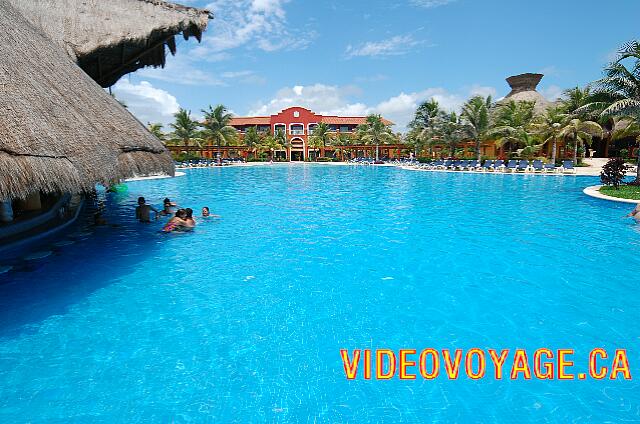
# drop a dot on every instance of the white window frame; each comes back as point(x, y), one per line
point(309, 126)
point(280, 124)
point(296, 123)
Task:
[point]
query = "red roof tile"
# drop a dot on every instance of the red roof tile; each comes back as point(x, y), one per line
point(349, 120)
point(256, 120)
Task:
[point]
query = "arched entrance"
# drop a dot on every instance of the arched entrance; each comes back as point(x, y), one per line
point(297, 149)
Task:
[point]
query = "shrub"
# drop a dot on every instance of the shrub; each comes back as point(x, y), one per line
point(624, 153)
point(323, 159)
point(613, 172)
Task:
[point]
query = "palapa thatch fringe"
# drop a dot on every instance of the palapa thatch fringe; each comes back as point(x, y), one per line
point(59, 130)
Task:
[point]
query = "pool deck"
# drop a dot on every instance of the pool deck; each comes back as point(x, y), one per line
point(593, 169)
point(156, 177)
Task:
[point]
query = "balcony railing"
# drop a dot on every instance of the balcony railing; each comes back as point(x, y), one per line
point(296, 132)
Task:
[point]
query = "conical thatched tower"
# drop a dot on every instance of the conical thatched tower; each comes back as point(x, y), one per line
point(523, 88)
point(59, 130)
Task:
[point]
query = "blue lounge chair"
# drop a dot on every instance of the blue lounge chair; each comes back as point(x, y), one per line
point(462, 165)
point(445, 165)
point(454, 164)
point(512, 165)
point(523, 166)
point(488, 164)
point(550, 167)
point(567, 167)
point(472, 165)
point(537, 166)
point(498, 165)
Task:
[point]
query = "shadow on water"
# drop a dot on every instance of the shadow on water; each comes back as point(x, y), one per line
point(83, 259)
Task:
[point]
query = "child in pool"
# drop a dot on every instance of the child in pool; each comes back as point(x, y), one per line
point(177, 222)
point(168, 207)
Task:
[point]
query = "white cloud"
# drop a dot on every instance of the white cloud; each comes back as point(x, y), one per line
point(336, 100)
point(429, 4)
point(250, 23)
point(552, 92)
point(145, 102)
point(484, 91)
point(181, 70)
point(321, 98)
point(394, 46)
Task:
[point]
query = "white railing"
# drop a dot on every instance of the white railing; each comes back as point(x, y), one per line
point(296, 132)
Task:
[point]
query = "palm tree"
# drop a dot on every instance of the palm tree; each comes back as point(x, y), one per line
point(425, 114)
point(531, 146)
point(156, 129)
point(185, 129)
point(549, 125)
point(252, 139)
point(374, 131)
point(281, 139)
point(510, 122)
point(580, 133)
point(315, 144)
point(271, 143)
point(320, 136)
point(626, 129)
point(574, 100)
point(450, 132)
point(618, 93)
point(216, 127)
point(475, 114)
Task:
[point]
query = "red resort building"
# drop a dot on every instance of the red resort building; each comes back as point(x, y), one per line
point(298, 123)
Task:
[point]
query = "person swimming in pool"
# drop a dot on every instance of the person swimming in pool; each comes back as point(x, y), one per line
point(177, 222)
point(635, 213)
point(206, 213)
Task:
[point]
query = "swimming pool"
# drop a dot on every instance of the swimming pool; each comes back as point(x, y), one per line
point(243, 319)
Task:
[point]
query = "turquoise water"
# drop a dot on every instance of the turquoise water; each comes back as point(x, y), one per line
point(243, 319)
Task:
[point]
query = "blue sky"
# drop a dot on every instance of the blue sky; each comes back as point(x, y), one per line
point(369, 56)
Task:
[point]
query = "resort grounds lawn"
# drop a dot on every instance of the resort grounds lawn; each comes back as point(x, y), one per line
point(624, 192)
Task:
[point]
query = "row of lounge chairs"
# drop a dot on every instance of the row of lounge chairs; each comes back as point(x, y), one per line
point(203, 163)
point(536, 166)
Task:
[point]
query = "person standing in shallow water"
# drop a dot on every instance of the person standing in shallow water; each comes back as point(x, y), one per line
point(168, 207)
point(143, 211)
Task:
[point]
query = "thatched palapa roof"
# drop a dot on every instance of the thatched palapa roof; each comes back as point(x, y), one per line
point(112, 38)
point(59, 130)
point(523, 89)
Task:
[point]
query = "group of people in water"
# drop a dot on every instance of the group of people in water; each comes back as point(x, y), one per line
point(181, 219)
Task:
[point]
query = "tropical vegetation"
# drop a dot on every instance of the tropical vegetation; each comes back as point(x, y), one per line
point(608, 110)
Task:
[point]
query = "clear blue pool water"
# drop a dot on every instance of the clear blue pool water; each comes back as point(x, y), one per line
point(243, 319)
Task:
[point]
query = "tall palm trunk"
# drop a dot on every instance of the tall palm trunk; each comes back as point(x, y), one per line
point(575, 153)
point(554, 150)
point(478, 152)
point(377, 152)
